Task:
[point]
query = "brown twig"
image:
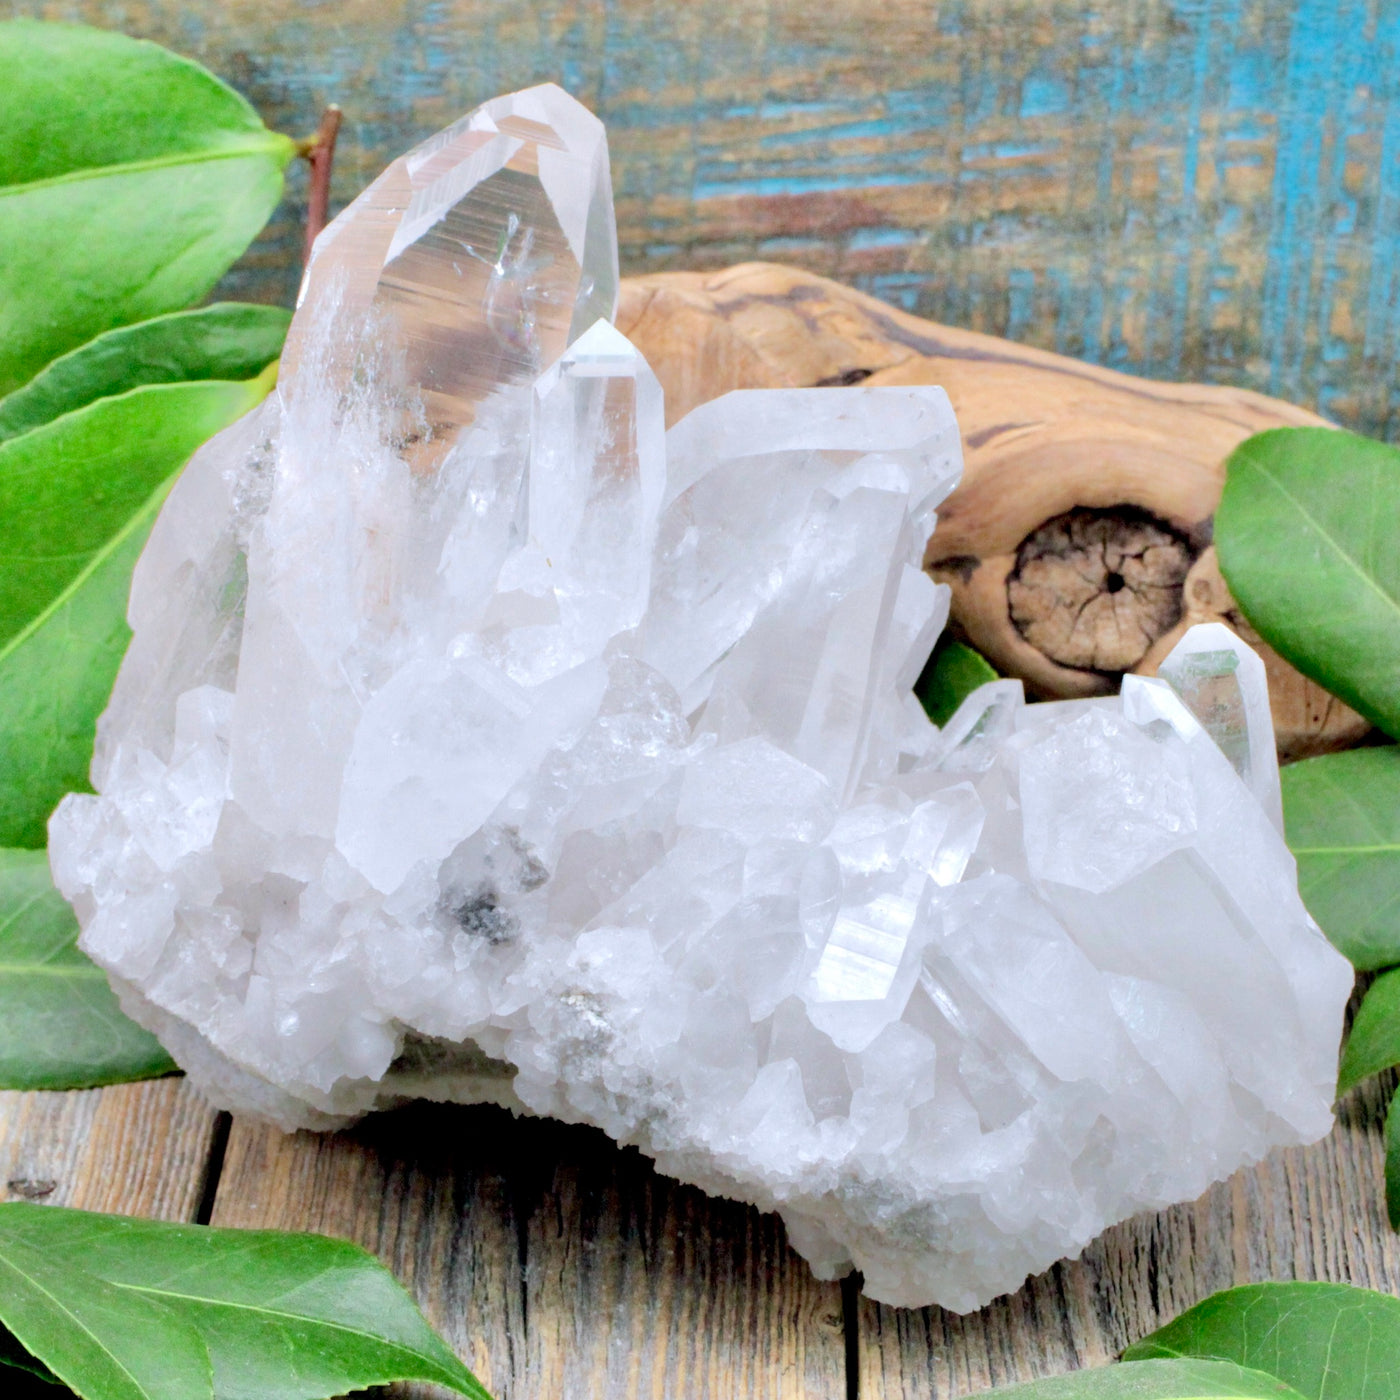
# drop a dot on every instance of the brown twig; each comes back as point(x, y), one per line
point(320, 152)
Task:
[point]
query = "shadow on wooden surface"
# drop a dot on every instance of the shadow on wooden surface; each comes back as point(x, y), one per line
point(556, 1263)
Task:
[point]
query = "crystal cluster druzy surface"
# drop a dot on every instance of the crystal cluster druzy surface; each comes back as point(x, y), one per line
point(482, 740)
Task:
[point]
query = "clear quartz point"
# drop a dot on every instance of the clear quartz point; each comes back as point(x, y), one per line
point(970, 739)
point(591, 501)
point(470, 263)
point(1222, 682)
point(481, 740)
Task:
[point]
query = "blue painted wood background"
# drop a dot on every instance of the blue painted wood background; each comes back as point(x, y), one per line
point(1196, 189)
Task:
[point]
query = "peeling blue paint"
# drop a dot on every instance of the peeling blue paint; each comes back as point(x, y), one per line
point(716, 187)
point(1206, 189)
point(864, 238)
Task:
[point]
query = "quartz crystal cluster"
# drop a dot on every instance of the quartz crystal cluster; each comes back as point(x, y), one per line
point(482, 740)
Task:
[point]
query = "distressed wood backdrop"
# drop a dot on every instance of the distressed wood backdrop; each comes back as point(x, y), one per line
point(1193, 189)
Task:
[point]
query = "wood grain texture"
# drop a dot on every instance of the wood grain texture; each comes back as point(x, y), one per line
point(555, 1263)
point(1305, 1213)
point(1193, 189)
point(133, 1149)
point(558, 1264)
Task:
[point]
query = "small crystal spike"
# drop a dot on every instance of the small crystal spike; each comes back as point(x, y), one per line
point(593, 493)
point(1223, 683)
point(969, 741)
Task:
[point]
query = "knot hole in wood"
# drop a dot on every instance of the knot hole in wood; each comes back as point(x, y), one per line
point(1093, 589)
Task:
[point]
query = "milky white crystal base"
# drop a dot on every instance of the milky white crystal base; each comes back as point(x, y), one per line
point(553, 760)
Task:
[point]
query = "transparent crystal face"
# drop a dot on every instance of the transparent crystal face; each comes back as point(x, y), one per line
point(470, 264)
point(1209, 683)
point(1223, 683)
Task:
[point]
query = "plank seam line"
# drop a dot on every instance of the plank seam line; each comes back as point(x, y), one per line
point(214, 1167)
point(850, 1326)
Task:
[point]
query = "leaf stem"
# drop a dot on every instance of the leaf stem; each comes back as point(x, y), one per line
point(320, 152)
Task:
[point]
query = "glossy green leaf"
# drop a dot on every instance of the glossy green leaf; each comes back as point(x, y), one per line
point(14, 1356)
point(106, 1343)
point(55, 679)
point(228, 340)
point(74, 98)
point(68, 487)
point(1306, 532)
point(1329, 1341)
point(77, 497)
point(1392, 1161)
point(130, 180)
point(953, 672)
point(1374, 1042)
point(60, 1025)
point(1342, 815)
point(277, 1316)
point(1155, 1380)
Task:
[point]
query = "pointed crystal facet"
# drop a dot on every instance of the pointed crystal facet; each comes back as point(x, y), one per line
point(977, 728)
point(590, 504)
point(470, 263)
point(779, 502)
point(1223, 683)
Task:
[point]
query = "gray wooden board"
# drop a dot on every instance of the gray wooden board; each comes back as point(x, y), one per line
point(559, 1265)
point(136, 1149)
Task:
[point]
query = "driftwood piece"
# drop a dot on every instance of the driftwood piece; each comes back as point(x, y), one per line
point(1078, 545)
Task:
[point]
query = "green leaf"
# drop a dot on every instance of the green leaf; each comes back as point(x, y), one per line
point(1306, 533)
point(1342, 815)
point(130, 179)
point(68, 487)
point(60, 1025)
point(225, 341)
point(1155, 1380)
point(280, 1316)
point(1392, 1161)
point(106, 1343)
point(55, 679)
point(77, 497)
point(14, 1356)
point(953, 672)
point(1329, 1341)
point(74, 98)
point(1374, 1042)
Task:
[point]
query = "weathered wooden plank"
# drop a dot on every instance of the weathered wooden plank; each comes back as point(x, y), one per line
point(556, 1264)
point(136, 1149)
point(560, 1265)
point(1307, 1213)
point(1195, 189)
